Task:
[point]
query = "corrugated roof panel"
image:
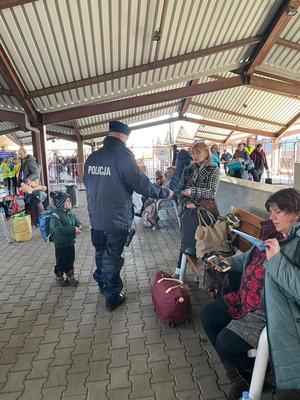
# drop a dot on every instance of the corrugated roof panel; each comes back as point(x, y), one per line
point(191, 25)
point(7, 125)
point(258, 103)
point(130, 119)
point(71, 42)
point(10, 103)
point(208, 136)
point(230, 119)
point(292, 31)
point(284, 58)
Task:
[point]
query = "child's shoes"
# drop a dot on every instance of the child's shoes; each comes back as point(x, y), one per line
point(60, 280)
point(71, 279)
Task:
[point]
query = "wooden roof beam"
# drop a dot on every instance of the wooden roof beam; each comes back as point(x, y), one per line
point(145, 67)
point(9, 130)
point(235, 128)
point(274, 30)
point(276, 77)
point(133, 128)
point(6, 92)
point(284, 131)
point(289, 44)
point(14, 82)
point(209, 139)
point(95, 135)
point(64, 136)
point(4, 4)
point(269, 85)
point(228, 137)
point(140, 101)
point(15, 139)
point(12, 116)
point(122, 117)
point(185, 103)
point(236, 114)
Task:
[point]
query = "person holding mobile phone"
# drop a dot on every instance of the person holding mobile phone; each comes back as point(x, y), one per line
point(197, 189)
point(269, 291)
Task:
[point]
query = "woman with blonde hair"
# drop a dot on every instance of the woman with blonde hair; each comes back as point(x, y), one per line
point(197, 189)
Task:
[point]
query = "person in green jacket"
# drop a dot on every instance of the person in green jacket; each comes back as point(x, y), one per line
point(64, 226)
point(4, 172)
point(268, 295)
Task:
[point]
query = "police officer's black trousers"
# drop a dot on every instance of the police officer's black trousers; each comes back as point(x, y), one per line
point(109, 247)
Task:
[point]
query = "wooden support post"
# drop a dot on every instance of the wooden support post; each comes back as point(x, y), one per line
point(276, 156)
point(45, 169)
point(40, 153)
point(80, 158)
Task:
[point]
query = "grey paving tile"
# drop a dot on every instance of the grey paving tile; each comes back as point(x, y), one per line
point(57, 376)
point(177, 358)
point(160, 372)
point(33, 389)
point(15, 382)
point(45, 351)
point(156, 352)
point(189, 395)
point(9, 356)
point(183, 378)
point(119, 341)
point(98, 371)
point(138, 365)
point(209, 388)
point(119, 358)
point(4, 371)
point(76, 384)
point(119, 378)
point(79, 363)
point(141, 386)
point(100, 352)
point(164, 391)
point(122, 394)
point(10, 396)
point(40, 369)
point(97, 390)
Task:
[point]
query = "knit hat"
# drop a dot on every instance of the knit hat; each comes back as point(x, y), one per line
point(59, 199)
point(117, 126)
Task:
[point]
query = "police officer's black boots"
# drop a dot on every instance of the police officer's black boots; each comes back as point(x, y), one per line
point(116, 302)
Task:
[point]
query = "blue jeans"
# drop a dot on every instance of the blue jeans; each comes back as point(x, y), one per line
point(109, 247)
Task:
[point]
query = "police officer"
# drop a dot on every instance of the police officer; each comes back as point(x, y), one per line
point(111, 175)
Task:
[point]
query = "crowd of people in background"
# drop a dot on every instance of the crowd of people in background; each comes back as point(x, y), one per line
point(247, 162)
point(61, 165)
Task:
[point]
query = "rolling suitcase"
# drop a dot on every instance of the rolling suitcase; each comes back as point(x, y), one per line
point(170, 299)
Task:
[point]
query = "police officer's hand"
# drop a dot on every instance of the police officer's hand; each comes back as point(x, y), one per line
point(171, 194)
point(77, 230)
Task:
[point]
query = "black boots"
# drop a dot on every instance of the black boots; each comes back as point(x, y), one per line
point(113, 304)
point(238, 382)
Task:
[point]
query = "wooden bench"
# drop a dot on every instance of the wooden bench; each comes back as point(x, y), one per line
point(250, 224)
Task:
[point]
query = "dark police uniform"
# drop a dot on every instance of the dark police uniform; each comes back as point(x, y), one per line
point(111, 175)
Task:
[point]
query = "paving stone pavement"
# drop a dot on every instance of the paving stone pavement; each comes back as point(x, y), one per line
point(62, 343)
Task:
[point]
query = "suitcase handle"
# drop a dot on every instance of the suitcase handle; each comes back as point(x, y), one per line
point(169, 279)
point(171, 288)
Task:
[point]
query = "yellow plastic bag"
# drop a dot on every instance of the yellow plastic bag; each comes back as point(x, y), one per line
point(21, 227)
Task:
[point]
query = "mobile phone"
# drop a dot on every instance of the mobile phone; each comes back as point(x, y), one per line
point(232, 219)
point(216, 262)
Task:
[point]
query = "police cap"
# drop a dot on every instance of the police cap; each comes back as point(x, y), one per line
point(117, 126)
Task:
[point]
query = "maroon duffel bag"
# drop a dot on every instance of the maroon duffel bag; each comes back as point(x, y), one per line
point(171, 301)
